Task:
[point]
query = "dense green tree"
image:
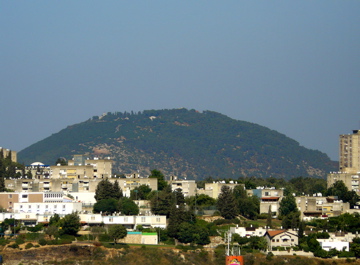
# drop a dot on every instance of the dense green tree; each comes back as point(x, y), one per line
point(70, 224)
point(54, 220)
point(140, 193)
point(190, 233)
point(106, 206)
point(52, 231)
point(249, 207)
point(340, 190)
point(104, 190)
point(161, 202)
point(291, 220)
point(179, 215)
point(96, 231)
point(355, 247)
point(259, 243)
point(226, 203)
point(178, 197)
point(117, 191)
point(62, 161)
point(200, 201)
point(127, 206)
point(117, 232)
point(287, 205)
point(160, 177)
point(269, 218)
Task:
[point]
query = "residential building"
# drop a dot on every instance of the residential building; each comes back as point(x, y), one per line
point(38, 203)
point(130, 222)
point(351, 180)
point(66, 184)
point(349, 145)
point(187, 187)
point(248, 231)
point(331, 243)
point(349, 162)
point(281, 238)
point(7, 152)
point(318, 206)
point(214, 189)
point(269, 198)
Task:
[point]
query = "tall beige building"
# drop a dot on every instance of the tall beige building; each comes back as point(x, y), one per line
point(6, 152)
point(350, 152)
point(349, 162)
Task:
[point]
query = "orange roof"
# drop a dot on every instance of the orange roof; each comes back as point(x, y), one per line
point(275, 232)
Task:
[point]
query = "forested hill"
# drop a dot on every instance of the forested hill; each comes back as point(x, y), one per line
point(185, 143)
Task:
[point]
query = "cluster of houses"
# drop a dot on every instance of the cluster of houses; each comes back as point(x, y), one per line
point(63, 189)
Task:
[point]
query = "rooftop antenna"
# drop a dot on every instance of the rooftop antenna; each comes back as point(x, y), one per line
point(233, 255)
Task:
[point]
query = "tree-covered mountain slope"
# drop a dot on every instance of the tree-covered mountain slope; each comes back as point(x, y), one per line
point(185, 143)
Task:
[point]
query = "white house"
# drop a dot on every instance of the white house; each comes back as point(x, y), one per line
point(327, 244)
point(248, 231)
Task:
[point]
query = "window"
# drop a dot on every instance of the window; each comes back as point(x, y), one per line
point(125, 219)
point(92, 218)
point(142, 219)
point(27, 216)
point(10, 196)
point(111, 219)
point(158, 219)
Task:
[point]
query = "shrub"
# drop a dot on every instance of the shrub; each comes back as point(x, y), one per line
point(104, 238)
point(29, 245)
point(269, 256)
point(67, 237)
point(13, 245)
point(3, 241)
point(19, 240)
point(262, 216)
point(34, 236)
point(42, 242)
point(35, 228)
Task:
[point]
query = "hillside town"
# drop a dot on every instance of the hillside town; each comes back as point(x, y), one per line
point(159, 210)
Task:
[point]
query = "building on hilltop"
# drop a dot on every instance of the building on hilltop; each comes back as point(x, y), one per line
point(187, 187)
point(80, 175)
point(214, 189)
point(349, 147)
point(269, 198)
point(349, 162)
point(7, 152)
point(281, 238)
point(317, 206)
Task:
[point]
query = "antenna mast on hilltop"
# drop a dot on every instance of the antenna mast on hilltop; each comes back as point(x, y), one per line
point(233, 255)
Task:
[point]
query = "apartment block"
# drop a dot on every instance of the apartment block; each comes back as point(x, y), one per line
point(214, 189)
point(7, 152)
point(187, 187)
point(349, 162)
point(269, 198)
point(315, 207)
point(349, 147)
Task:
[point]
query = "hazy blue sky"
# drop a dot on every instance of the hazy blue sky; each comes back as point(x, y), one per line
point(292, 66)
